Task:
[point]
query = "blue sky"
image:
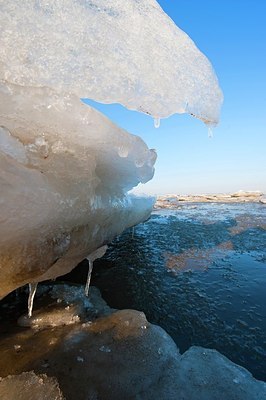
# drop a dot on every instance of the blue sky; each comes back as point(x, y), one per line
point(232, 34)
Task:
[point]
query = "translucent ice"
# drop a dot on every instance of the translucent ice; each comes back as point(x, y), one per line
point(32, 291)
point(63, 183)
point(29, 386)
point(157, 122)
point(210, 132)
point(113, 51)
point(88, 277)
point(92, 257)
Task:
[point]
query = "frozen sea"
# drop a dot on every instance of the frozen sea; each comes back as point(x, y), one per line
point(199, 272)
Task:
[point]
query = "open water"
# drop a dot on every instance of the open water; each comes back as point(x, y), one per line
point(199, 272)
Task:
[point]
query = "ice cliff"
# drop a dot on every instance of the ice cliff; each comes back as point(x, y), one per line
point(65, 168)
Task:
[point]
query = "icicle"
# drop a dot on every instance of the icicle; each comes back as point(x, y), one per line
point(32, 291)
point(92, 257)
point(157, 122)
point(210, 132)
point(88, 278)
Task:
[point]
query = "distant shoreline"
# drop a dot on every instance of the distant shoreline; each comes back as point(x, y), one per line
point(174, 200)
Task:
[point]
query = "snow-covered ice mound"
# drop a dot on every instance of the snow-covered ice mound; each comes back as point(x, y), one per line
point(65, 168)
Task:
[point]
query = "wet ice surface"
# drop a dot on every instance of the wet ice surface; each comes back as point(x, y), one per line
point(200, 273)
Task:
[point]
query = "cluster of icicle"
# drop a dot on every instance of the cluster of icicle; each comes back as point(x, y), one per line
point(91, 258)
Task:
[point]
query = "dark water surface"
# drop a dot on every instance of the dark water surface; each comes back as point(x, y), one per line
point(200, 273)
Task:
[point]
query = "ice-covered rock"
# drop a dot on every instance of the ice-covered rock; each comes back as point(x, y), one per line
point(63, 305)
point(29, 386)
point(120, 350)
point(206, 374)
point(113, 51)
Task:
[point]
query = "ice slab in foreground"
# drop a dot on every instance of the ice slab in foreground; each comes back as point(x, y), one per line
point(121, 350)
point(64, 173)
point(113, 51)
point(29, 386)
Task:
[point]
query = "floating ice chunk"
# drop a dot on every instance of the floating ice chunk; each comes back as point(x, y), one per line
point(105, 349)
point(32, 291)
point(119, 51)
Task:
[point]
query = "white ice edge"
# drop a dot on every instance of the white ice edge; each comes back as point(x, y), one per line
point(113, 51)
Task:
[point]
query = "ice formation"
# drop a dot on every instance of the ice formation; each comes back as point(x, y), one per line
point(113, 51)
point(32, 292)
point(157, 122)
point(65, 168)
point(91, 258)
point(65, 172)
point(29, 386)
